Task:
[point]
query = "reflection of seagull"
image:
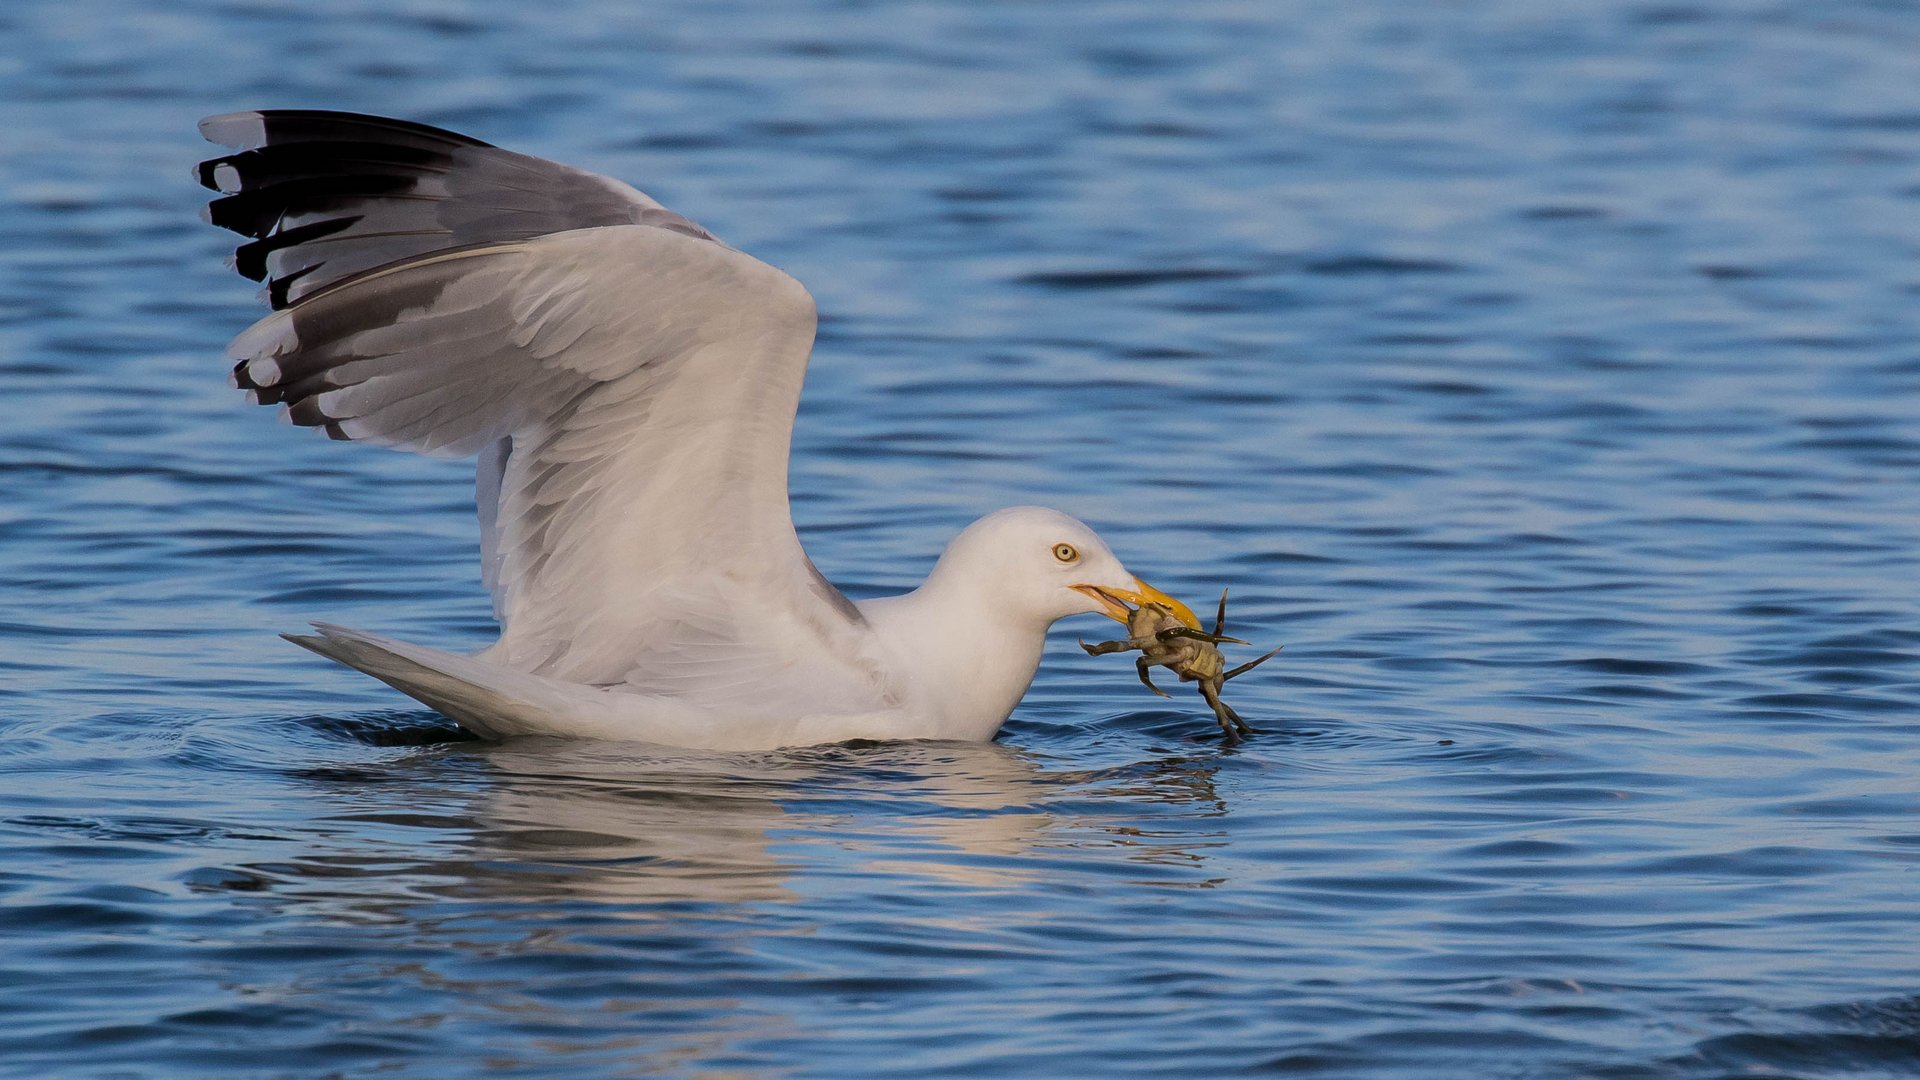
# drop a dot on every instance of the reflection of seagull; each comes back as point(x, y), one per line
point(640, 826)
point(629, 383)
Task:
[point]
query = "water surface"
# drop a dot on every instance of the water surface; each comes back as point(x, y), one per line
point(1544, 376)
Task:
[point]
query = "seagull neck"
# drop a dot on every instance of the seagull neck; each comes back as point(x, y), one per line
point(970, 661)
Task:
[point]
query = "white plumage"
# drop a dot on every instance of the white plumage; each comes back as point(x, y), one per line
point(629, 383)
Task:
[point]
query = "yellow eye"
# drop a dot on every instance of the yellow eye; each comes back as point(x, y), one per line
point(1065, 552)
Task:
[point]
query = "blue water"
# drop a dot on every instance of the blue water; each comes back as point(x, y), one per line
point(1545, 376)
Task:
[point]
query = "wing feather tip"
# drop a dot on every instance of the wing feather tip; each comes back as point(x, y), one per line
point(231, 129)
point(307, 412)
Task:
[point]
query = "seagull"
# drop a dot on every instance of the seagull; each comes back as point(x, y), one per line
point(628, 383)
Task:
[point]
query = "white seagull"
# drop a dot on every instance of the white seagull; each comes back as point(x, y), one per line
point(629, 383)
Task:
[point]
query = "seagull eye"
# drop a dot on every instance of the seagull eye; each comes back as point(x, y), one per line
point(1065, 552)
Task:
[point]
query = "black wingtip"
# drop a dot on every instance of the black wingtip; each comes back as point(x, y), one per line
point(252, 128)
point(250, 259)
point(279, 289)
point(242, 379)
point(306, 412)
point(207, 173)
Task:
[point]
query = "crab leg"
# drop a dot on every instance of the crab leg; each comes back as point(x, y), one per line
point(1197, 635)
point(1251, 664)
point(1230, 722)
point(1104, 647)
point(1144, 665)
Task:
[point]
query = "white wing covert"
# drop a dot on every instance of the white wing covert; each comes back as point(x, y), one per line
point(630, 380)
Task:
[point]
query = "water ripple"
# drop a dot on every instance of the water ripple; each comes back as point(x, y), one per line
point(1543, 379)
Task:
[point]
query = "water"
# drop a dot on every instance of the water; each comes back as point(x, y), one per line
point(1543, 375)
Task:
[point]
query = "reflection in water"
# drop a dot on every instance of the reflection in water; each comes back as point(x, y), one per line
point(585, 821)
point(643, 826)
point(687, 901)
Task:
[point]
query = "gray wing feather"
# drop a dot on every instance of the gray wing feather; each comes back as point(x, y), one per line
point(631, 380)
point(490, 472)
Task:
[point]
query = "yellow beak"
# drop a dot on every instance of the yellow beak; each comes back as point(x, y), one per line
point(1115, 602)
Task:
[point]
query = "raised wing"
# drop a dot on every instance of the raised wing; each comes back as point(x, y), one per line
point(632, 383)
point(326, 195)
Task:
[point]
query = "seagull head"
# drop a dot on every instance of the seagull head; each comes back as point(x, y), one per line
point(1037, 565)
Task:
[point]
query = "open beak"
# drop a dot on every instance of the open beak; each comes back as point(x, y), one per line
point(1114, 602)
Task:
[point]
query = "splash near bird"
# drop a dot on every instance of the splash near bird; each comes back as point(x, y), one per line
point(1168, 635)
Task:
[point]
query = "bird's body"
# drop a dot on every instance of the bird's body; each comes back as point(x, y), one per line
point(629, 384)
point(941, 662)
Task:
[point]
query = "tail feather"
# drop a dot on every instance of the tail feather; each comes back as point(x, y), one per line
point(496, 702)
point(487, 700)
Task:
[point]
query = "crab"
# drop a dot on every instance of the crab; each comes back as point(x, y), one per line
point(1168, 635)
